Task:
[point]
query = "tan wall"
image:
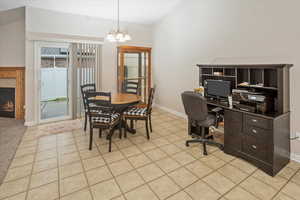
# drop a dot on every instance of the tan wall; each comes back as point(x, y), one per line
point(12, 37)
point(225, 31)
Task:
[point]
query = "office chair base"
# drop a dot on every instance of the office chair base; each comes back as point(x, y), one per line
point(204, 142)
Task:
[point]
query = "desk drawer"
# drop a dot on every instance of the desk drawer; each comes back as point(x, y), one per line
point(257, 122)
point(255, 147)
point(259, 133)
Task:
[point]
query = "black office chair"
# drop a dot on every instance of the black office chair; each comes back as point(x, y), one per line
point(195, 107)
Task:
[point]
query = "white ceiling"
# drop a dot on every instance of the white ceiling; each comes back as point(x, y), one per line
point(139, 11)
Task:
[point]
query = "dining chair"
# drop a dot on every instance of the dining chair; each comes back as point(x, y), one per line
point(86, 88)
point(141, 113)
point(131, 87)
point(104, 118)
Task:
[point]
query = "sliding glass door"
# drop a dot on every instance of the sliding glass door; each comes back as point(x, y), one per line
point(54, 81)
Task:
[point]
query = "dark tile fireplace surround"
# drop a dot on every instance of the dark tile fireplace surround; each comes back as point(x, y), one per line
point(7, 102)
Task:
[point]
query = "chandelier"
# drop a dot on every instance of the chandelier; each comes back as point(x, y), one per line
point(118, 35)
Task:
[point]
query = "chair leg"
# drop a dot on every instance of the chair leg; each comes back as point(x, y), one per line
point(204, 143)
point(147, 129)
point(120, 130)
point(85, 121)
point(111, 132)
point(100, 132)
point(125, 128)
point(131, 124)
point(150, 123)
point(91, 138)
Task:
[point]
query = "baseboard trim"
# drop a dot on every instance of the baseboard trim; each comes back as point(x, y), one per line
point(179, 114)
point(295, 157)
point(32, 123)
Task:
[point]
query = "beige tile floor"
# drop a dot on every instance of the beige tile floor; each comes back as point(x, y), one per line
point(59, 166)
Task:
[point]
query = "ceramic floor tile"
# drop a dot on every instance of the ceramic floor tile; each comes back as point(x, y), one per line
point(234, 174)
point(50, 191)
point(171, 149)
point(183, 158)
point(287, 172)
point(21, 196)
point(292, 190)
point(143, 192)
point(18, 172)
point(139, 160)
point(65, 159)
point(21, 161)
point(294, 165)
point(86, 153)
point(45, 165)
point(296, 178)
point(168, 164)
point(13, 187)
point(146, 146)
point(258, 188)
point(282, 196)
point(106, 190)
point(201, 191)
point(113, 156)
point(131, 151)
point(212, 162)
point(98, 175)
point(156, 154)
point(70, 169)
point(150, 172)
point(129, 181)
point(183, 177)
point(223, 156)
point(239, 193)
point(243, 165)
point(44, 155)
point(25, 151)
point(43, 178)
point(120, 167)
point(80, 195)
point(277, 181)
point(199, 169)
point(67, 149)
point(72, 184)
point(160, 142)
point(93, 163)
point(219, 182)
point(164, 187)
point(180, 196)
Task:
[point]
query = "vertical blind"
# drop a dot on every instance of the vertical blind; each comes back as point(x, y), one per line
point(86, 63)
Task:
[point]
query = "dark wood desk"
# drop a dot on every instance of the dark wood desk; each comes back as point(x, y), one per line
point(263, 140)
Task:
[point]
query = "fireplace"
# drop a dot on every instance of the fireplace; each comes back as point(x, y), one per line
point(7, 102)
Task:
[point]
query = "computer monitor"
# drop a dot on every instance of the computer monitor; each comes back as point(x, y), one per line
point(218, 88)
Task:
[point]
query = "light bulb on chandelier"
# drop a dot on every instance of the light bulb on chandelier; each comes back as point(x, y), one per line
point(118, 35)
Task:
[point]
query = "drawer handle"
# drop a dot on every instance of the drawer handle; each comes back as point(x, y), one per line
point(254, 120)
point(254, 147)
point(254, 131)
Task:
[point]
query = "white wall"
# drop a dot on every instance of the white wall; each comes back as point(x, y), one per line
point(225, 31)
point(12, 38)
point(45, 21)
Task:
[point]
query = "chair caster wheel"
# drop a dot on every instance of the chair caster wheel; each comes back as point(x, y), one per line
point(187, 144)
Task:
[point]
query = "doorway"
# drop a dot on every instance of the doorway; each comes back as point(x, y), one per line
point(54, 81)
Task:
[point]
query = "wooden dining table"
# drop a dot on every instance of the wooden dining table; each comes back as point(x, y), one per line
point(122, 99)
point(120, 102)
